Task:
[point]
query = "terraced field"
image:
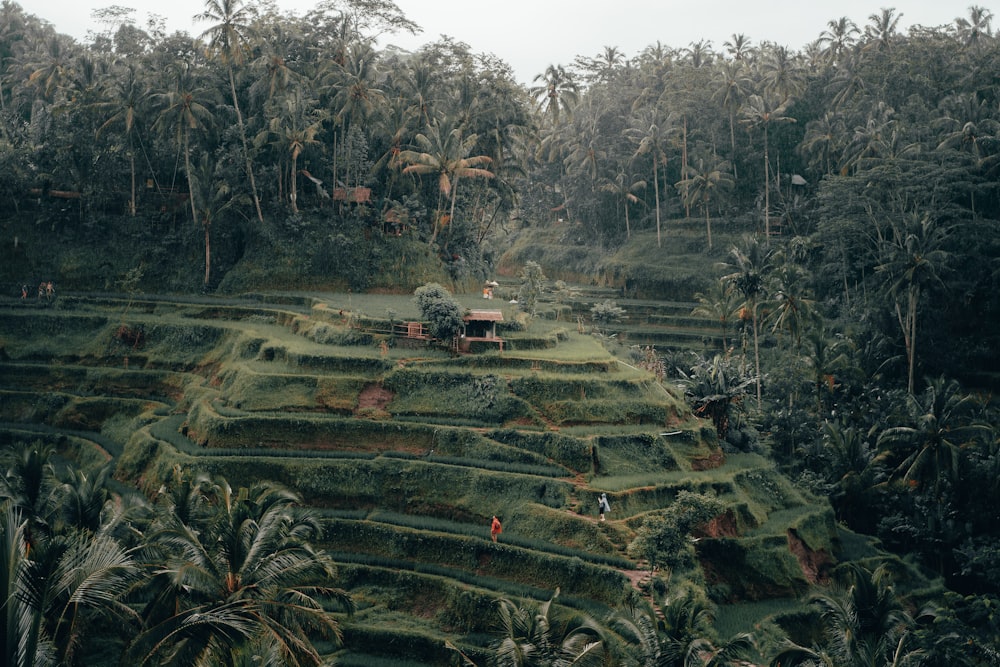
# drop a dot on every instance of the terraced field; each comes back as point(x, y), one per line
point(406, 450)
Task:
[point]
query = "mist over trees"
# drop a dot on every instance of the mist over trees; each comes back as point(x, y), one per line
point(859, 177)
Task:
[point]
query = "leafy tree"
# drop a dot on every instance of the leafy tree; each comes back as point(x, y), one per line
point(606, 312)
point(532, 283)
point(664, 538)
point(442, 312)
point(715, 389)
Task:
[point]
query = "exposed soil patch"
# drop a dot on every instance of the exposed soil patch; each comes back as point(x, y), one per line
point(374, 397)
point(815, 564)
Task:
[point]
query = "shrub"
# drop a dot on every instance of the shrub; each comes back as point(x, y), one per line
point(442, 312)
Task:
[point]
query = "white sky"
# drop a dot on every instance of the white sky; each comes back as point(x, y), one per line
point(531, 34)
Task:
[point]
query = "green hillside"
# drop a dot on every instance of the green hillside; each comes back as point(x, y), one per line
point(406, 450)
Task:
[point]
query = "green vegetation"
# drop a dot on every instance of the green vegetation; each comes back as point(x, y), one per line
point(762, 339)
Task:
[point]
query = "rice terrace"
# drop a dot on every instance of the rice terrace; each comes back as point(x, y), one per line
point(405, 450)
point(316, 350)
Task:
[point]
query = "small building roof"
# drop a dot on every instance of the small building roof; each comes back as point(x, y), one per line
point(484, 316)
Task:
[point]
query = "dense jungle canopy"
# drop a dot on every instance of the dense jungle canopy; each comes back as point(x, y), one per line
point(835, 209)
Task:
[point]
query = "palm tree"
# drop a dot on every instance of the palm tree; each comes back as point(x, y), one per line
point(294, 128)
point(539, 637)
point(624, 187)
point(822, 141)
point(975, 30)
point(230, 38)
point(762, 113)
point(793, 309)
point(750, 266)
point(670, 632)
point(838, 39)
point(275, 76)
point(183, 109)
point(354, 96)
point(650, 131)
point(54, 590)
point(738, 46)
point(864, 625)
point(717, 304)
point(781, 74)
point(243, 570)
point(912, 260)
point(703, 185)
point(445, 153)
point(556, 92)
point(732, 83)
point(131, 97)
point(928, 452)
point(880, 32)
point(213, 198)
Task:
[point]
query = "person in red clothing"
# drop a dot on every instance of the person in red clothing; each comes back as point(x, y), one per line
point(495, 528)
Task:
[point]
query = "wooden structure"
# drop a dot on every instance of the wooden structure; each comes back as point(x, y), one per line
point(353, 195)
point(480, 325)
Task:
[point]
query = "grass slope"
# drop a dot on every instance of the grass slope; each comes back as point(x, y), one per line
point(407, 450)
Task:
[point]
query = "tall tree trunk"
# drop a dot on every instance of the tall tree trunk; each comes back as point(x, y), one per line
point(293, 184)
point(684, 165)
point(756, 353)
point(732, 140)
point(131, 203)
point(767, 193)
point(187, 172)
point(708, 226)
point(208, 252)
point(656, 194)
point(628, 227)
point(246, 149)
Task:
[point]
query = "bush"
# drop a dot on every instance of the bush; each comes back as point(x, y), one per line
point(442, 312)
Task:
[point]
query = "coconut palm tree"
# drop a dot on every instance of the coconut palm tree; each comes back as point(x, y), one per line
point(839, 37)
point(230, 39)
point(293, 128)
point(864, 625)
point(732, 85)
point(975, 30)
point(750, 267)
point(131, 97)
point(540, 637)
point(54, 589)
point(703, 186)
point(650, 131)
point(763, 112)
point(624, 187)
point(444, 152)
point(244, 570)
point(880, 33)
point(556, 93)
point(185, 108)
point(913, 259)
point(927, 453)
